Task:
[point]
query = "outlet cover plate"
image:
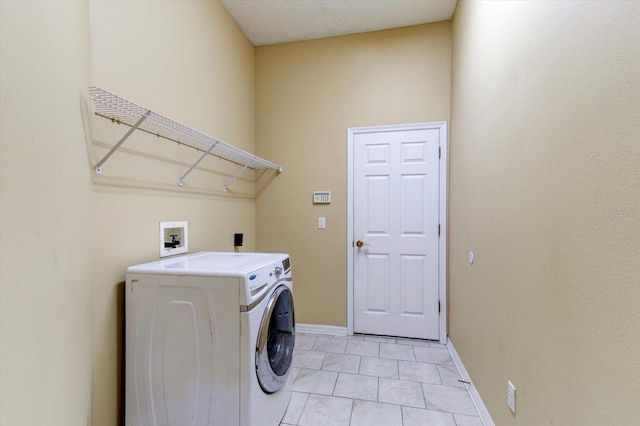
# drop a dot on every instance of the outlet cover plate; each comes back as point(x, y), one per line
point(511, 396)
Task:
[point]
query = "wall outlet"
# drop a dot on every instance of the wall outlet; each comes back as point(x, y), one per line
point(511, 396)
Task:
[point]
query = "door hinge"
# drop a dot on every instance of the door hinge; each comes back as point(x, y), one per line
point(439, 152)
point(438, 306)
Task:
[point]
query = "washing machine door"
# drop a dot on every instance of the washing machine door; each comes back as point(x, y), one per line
point(276, 339)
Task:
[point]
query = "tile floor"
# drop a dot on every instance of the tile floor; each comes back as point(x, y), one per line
point(370, 380)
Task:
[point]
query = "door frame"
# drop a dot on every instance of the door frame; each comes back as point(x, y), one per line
point(441, 126)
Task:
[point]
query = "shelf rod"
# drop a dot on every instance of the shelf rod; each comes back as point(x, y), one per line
point(226, 185)
point(124, 138)
point(180, 180)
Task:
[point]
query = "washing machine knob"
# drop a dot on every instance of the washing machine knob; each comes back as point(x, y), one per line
point(278, 271)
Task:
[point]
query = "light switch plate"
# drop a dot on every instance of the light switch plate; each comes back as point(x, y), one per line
point(174, 238)
point(322, 223)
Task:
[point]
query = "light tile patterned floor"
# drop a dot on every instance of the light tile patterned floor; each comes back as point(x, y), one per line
point(370, 381)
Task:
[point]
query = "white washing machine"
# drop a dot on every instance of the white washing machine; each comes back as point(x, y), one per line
point(209, 340)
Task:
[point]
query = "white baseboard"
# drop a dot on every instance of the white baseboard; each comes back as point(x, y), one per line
point(322, 329)
point(473, 392)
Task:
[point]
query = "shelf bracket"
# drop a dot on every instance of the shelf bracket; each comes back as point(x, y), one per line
point(181, 179)
point(124, 138)
point(226, 185)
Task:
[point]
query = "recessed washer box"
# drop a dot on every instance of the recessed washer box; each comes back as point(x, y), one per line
point(174, 238)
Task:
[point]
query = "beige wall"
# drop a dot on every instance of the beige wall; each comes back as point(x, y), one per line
point(545, 189)
point(45, 216)
point(544, 186)
point(307, 95)
point(190, 62)
point(67, 234)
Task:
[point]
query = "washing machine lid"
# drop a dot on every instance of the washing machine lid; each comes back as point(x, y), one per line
point(228, 264)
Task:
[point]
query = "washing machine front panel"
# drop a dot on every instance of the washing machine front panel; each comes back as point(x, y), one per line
point(276, 341)
point(182, 350)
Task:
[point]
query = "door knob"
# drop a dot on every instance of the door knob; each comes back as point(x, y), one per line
point(360, 244)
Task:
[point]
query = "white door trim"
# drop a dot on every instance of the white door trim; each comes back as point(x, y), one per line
point(442, 194)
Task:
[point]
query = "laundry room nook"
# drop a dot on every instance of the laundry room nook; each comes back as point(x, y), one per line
point(297, 213)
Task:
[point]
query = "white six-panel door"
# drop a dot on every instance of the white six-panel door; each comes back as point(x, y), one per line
point(396, 223)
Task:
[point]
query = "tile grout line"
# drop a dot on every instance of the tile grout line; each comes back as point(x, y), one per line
point(376, 373)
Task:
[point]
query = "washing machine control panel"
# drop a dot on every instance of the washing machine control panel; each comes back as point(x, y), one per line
point(261, 280)
point(258, 280)
point(286, 264)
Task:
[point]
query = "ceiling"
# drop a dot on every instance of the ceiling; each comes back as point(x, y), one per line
point(280, 21)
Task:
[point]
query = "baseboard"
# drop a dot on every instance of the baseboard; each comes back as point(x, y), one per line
point(473, 392)
point(322, 329)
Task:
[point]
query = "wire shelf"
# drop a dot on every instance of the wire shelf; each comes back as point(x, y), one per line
point(123, 111)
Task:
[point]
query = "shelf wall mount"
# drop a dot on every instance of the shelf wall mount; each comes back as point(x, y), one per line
point(122, 111)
